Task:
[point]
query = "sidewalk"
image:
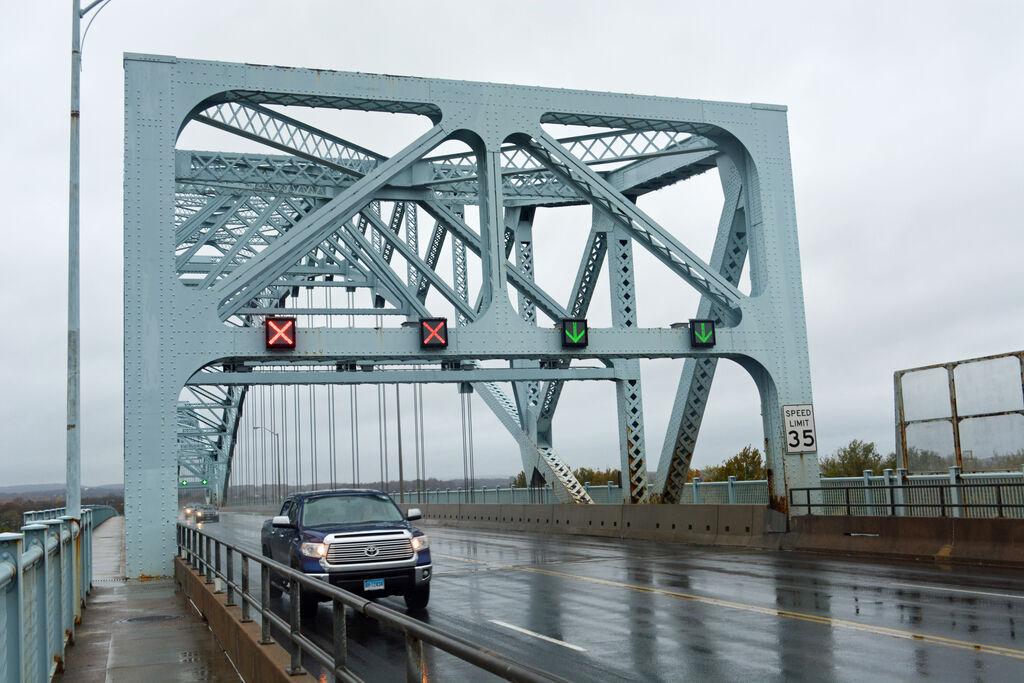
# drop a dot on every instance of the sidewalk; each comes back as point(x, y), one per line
point(139, 630)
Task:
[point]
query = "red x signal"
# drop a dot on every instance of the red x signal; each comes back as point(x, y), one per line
point(280, 333)
point(434, 333)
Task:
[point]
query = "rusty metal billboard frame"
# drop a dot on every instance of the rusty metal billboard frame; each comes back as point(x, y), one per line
point(955, 417)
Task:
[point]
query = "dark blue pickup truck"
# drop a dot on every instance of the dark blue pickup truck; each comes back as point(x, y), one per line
point(358, 540)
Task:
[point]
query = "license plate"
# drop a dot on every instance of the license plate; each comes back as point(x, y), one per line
point(373, 584)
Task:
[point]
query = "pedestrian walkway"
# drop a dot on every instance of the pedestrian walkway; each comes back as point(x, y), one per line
point(139, 630)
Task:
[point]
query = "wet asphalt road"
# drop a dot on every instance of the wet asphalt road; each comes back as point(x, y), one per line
point(593, 609)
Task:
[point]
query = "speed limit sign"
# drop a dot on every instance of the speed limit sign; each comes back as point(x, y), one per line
point(799, 426)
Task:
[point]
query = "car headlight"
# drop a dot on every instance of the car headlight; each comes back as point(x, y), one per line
point(314, 549)
point(420, 543)
point(188, 511)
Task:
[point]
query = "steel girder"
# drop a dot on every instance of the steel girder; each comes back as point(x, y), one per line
point(249, 229)
point(728, 256)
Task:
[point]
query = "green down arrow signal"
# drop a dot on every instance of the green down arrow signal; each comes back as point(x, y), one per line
point(577, 334)
point(704, 334)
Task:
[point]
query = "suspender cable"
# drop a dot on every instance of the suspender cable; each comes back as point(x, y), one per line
point(416, 438)
point(263, 442)
point(275, 459)
point(384, 402)
point(465, 453)
point(284, 446)
point(380, 436)
point(312, 437)
point(353, 431)
point(401, 464)
point(472, 456)
point(353, 406)
point(297, 421)
point(423, 447)
point(332, 421)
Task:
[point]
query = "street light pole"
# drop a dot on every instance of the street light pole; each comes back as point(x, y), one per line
point(73, 495)
point(73, 490)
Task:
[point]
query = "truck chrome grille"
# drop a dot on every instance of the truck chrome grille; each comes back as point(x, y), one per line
point(356, 552)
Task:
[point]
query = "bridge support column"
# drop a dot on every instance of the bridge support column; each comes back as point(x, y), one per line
point(628, 390)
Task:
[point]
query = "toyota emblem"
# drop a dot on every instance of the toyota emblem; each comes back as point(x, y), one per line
point(371, 551)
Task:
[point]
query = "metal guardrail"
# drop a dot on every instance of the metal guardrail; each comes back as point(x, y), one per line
point(203, 552)
point(100, 514)
point(918, 500)
point(755, 491)
point(45, 574)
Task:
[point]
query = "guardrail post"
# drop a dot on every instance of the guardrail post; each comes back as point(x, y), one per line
point(955, 499)
point(339, 633)
point(67, 610)
point(888, 480)
point(14, 645)
point(53, 529)
point(847, 490)
point(869, 495)
point(265, 638)
point(294, 625)
point(44, 644)
point(901, 492)
point(413, 659)
point(246, 595)
point(217, 581)
point(999, 500)
point(731, 486)
point(88, 519)
point(230, 576)
point(696, 490)
point(75, 552)
point(207, 565)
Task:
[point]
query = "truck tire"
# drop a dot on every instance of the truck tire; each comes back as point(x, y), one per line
point(416, 599)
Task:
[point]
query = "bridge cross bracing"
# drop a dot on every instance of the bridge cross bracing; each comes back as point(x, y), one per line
point(215, 241)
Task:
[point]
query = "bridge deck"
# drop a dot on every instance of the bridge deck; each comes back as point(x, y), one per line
point(139, 630)
point(596, 609)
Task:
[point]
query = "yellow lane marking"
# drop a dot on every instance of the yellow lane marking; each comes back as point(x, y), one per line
point(767, 611)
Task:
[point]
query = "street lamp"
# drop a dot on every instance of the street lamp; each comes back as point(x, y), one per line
point(276, 457)
point(73, 484)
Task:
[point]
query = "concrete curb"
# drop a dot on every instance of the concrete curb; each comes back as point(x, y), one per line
point(256, 663)
point(728, 525)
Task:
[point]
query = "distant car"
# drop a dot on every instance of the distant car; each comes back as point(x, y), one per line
point(358, 540)
point(207, 513)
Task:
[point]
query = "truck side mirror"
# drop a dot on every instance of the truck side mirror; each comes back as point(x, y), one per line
point(282, 522)
point(414, 514)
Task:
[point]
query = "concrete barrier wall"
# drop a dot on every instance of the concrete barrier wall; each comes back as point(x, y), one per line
point(736, 525)
point(972, 541)
point(241, 641)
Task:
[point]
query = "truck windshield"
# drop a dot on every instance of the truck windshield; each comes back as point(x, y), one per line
point(330, 510)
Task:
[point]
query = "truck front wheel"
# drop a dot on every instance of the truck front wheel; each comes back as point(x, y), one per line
point(416, 599)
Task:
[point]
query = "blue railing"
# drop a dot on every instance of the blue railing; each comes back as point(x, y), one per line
point(922, 488)
point(45, 574)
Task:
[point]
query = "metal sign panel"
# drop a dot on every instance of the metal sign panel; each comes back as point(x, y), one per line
point(798, 422)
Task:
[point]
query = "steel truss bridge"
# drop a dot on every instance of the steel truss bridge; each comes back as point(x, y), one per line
point(217, 241)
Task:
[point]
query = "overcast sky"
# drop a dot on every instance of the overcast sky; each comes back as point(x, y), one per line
point(905, 130)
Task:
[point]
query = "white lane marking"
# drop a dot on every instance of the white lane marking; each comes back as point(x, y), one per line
point(960, 590)
point(539, 635)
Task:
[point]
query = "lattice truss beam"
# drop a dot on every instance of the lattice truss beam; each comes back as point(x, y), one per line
point(313, 223)
point(231, 207)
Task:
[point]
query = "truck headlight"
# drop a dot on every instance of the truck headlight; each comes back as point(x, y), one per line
point(420, 543)
point(314, 549)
